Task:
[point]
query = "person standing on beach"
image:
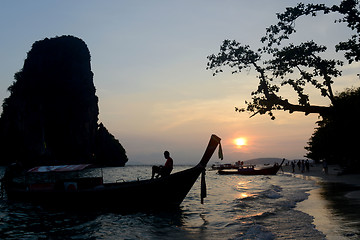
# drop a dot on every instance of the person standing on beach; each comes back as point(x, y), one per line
point(302, 166)
point(325, 166)
point(299, 165)
point(293, 166)
point(307, 165)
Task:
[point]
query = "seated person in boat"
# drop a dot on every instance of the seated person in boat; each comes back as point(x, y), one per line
point(165, 170)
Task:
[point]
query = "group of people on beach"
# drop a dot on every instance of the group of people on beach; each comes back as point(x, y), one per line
point(302, 165)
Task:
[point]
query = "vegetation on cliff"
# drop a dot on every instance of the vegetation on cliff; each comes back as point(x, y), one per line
point(51, 115)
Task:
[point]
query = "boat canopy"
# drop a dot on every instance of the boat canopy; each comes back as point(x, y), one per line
point(59, 168)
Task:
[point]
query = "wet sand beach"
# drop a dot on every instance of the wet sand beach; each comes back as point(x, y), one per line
point(335, 204)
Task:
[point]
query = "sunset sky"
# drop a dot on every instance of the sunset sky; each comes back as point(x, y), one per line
point(149, 64)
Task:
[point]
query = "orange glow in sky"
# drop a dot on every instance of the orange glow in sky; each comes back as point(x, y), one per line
point(239, 142)
point(150, 108)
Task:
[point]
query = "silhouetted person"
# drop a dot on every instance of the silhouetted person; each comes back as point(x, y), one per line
point(302, 166)
point(293, 166)
point(325, 166)
point(307, 165)
point(165, 170)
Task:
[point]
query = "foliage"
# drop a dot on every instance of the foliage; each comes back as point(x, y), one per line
point(336, 136)
point(295, 65)
point(280, 63)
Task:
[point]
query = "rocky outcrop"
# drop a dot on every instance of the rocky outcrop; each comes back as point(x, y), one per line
point(51, 115)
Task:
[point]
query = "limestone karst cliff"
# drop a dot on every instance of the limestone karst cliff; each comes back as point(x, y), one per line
point(51, 115)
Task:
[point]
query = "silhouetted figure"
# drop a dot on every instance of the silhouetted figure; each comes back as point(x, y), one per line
point(165, 170)
point(325, 166)
point(307, 165)
point(299, 165)
point(302, 166)
point(293, 166)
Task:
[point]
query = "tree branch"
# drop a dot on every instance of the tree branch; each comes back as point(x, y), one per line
point(307, 109)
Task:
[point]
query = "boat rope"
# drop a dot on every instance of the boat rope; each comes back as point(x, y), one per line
point(220, 153)
point(203, 186)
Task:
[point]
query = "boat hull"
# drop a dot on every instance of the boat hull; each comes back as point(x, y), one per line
point(166, 192)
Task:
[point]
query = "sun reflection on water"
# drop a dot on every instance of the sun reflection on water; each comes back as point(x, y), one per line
point(244, 195)
point(243, 189)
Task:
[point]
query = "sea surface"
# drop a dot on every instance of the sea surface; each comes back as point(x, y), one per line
point(237, 207)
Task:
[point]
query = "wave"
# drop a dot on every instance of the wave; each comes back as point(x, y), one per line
point(237, 207)
point(256, 232)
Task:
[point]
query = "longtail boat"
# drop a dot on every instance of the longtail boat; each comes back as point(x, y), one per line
point(91, 192)
point(252, 171)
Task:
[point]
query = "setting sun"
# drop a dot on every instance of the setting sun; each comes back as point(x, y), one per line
point(240, 142)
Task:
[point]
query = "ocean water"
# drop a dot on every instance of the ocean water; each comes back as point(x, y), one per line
point(237, 207)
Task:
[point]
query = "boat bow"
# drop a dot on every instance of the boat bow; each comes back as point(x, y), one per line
point(212, 145)
point(164, 192)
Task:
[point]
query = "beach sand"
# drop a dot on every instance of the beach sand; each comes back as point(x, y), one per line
point(335, 205)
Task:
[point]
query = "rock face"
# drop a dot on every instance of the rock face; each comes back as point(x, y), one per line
point(51, 115)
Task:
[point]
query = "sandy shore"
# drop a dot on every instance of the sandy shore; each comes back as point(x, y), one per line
point(335, 204)
point(317, 174)
point(316, 170)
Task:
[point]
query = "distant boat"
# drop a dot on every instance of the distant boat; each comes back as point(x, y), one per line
point(52, 187)
point(252, 171)
point(224, 166)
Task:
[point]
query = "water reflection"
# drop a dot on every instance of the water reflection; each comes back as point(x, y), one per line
point(22, 220)
point(237, 207)
point(26, 221)
point(343, 209)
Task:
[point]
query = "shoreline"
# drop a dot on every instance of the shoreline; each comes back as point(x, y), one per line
point(333, 202)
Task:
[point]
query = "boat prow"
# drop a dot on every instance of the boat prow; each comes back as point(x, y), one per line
point(90, 193)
